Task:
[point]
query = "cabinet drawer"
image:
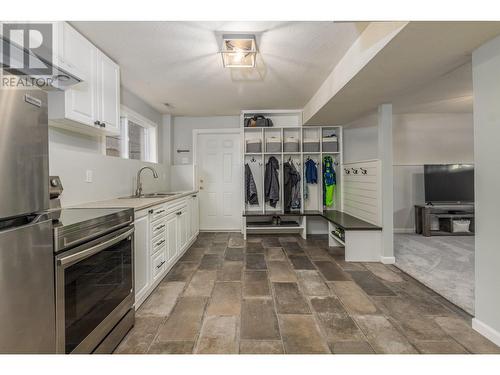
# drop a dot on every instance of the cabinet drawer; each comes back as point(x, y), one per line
point(157, 212)
point(176, 206)
point(157, 228)
point(158, 264)
point(157, 244)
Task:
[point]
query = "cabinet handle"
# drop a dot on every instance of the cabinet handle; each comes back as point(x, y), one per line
point(150, 211)
point(159, 243)
point(161, 264)
point(160, 211)
point(160, 227)
point(178, 213)
point(193, 196)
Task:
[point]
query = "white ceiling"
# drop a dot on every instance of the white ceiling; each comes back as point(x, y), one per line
point(179, 63)
point(425, 68)
point(449, 93)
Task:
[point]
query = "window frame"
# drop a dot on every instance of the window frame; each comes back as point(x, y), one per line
point(150, 137)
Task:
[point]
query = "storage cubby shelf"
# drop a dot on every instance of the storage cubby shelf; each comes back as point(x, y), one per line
point(288, 129)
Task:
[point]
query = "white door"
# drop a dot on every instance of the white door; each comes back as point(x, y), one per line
point(79, 53)
point(141, 256)
point(194, 215)
point(108, 74)
point(171, 233)
point(219, 179)
point(182, 229)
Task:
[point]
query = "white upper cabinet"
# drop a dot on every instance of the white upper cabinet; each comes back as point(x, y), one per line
point(74, 52)
point(93, 105)
point(108, 93)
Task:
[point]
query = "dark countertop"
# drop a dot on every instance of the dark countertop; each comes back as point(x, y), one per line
point(343, 220)
point(348, 222)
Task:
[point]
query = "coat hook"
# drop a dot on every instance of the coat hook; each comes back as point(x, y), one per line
point(363, 171)
point(347, 171)
point(355, 170)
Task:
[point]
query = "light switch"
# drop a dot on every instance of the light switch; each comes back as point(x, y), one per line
point(88, 175)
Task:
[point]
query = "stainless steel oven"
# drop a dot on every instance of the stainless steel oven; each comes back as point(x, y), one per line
point(94, 291)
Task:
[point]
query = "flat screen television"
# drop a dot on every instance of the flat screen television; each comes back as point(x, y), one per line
point(449, 183)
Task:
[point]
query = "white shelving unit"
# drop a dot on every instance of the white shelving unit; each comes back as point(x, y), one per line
point(287, 123)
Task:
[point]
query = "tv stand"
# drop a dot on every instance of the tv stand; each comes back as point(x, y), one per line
point(445, 214)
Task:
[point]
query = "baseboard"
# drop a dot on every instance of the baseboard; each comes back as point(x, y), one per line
point(388, 260)
point(404, 230)
point(485, 330)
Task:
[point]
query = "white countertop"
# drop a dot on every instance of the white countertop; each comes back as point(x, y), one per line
point(136, 203)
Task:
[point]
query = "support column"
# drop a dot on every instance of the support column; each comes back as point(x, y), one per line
point(486, 78)
point(385, 156)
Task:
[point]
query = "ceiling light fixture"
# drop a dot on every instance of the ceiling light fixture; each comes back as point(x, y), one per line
point(238, 51)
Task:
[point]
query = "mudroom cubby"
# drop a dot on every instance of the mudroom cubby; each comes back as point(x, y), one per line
point(255, 163)
point(269, 158)
point(254, 141)
point(287, 141)
point(273, 140)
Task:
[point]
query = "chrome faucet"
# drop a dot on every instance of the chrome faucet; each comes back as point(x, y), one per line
point(138, 191)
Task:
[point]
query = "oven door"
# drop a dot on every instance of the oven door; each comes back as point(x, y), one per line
point(94, 290)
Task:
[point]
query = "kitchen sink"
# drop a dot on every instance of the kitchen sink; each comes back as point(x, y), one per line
point(151, 195)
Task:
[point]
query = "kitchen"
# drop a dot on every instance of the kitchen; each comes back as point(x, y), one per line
point(129, 243)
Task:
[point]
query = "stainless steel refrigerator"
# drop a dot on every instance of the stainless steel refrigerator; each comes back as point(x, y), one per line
point(27, 317)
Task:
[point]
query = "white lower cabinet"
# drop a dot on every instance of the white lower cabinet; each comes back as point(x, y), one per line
point(194, 214)
point(171, 233)
point(158, 263)
point(141, 255)
point(162, 234)
point(182, 228)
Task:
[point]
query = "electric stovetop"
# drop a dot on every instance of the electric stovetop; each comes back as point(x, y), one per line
point(74, 226)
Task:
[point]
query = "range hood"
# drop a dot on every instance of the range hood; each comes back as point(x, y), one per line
point(12, 64)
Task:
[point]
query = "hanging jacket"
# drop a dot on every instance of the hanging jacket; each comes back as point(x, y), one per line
point(271, 182)
point(291, 179)
point(296, 196)
point(250, 187)
point(329, 181)
point(306, 188)
point(311, 172)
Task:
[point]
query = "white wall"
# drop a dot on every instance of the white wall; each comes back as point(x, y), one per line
point(418, 139)
point(429, 138)
point(486, 78)
point(408, 191)
point(72, 154)
point(183, 127)
point(360, 139)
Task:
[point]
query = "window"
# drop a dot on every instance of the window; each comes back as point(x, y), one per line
point(137, 139)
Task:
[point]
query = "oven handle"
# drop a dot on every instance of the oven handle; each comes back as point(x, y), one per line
point(94, 249)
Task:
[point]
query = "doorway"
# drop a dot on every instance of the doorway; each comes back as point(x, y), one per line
point(217, 153)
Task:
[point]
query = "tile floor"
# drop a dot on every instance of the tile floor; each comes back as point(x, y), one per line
point(282, 294)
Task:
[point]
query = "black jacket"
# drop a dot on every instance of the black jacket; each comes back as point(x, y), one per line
point(291, 179)
point(250, 187)
point(271, 182)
